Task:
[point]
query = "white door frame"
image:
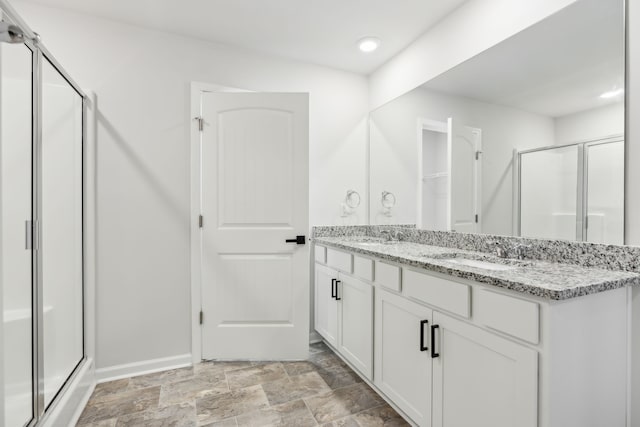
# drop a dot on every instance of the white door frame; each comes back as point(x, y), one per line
point(197, 88)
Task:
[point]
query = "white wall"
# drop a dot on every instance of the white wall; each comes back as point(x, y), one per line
point(394, 155)
point(142, 80)
point(474, 27)
point(590, 124)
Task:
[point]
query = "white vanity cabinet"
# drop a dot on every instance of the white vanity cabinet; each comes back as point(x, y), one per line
point(344, 312)
point(403, 364)
point(481, 379)
point(451, 352)
point(326, 306)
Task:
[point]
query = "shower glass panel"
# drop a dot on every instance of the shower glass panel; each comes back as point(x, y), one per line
point(549, 193)
point(15, 211)
point(605, 192)
point(61, 229)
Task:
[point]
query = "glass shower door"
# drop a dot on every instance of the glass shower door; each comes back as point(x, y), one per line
point(549, 193)
point(61, 212)
point(604, 168)
point(16, 332)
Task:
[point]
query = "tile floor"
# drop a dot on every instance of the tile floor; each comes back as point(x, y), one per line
point(320, 391)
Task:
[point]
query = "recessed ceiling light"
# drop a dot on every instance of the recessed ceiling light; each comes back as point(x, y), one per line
point(612, 93)
point(368, 44)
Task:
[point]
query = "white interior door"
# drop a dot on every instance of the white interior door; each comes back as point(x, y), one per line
point(255, 286)
point(464, 177)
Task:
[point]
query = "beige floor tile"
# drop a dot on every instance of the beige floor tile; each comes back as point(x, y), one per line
point(230, 404)
point(296, 387)
point(183, 415)
point(159, 378)
point(343, 402)
point(290, 414)
point(255, 375)
point(118, 404)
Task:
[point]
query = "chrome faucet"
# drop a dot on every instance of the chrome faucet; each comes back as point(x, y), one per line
point(500, 249)
point(386, 234)
point(521, 250)
point(392, 235)
point(398, 235)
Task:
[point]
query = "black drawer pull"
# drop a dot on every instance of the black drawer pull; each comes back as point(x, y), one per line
point(422, 346)
point(337, 290)
point(433, 341)
point(333, 292)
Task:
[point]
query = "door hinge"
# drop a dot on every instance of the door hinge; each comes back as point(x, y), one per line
point(478, 155)
point(200, 221)
point(200, 123)
point(201, 317)
point(476, 218)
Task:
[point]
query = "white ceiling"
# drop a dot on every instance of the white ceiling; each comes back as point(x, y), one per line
point(323, 32)
point(559, 66)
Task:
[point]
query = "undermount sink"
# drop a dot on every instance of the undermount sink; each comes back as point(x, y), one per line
point(480, 264)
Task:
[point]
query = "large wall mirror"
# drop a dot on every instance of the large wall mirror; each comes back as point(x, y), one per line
point(525, 139)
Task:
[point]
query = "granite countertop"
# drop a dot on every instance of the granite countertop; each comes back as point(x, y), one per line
point(551, 280)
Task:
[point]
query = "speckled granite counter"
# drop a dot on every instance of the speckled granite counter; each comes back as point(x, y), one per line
point(542, 278)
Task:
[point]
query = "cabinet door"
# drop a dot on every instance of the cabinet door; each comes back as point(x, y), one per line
point(356, 323)
point(481, 379)
point(402, 368)
point(326, 307)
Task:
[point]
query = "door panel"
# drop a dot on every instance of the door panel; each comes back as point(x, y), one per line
point(256, 152)
point(16, 399)
point(481, 379)
point(326, 307)
point(464, 142)
point(402, 371)
point(356, 323)
point(255, 287)
point(247, 281)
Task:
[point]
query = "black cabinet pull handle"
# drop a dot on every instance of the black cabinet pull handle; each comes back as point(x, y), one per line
point(422, 346)
point(333, 292)
point(299, 240)
point(337, 290)
point(433, 341)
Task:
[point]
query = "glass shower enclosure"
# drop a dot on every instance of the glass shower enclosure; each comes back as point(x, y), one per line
point(572, 192)
point(42, 132)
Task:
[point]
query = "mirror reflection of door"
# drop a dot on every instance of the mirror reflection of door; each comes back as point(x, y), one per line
point(448, 190)
point(465, 174)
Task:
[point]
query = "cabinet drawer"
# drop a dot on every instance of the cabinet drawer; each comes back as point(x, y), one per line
point(388, 276)
point(442, 293)
point(513, 316)
point(340, 260)
point(363, 268)
point(321, 254)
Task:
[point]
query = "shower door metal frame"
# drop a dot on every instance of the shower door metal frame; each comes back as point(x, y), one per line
point(582, 186)
point(39, 55)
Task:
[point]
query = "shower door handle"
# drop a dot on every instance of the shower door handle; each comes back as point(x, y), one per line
point(28, 235)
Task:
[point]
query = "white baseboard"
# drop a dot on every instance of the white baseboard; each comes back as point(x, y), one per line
point(140, 368)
